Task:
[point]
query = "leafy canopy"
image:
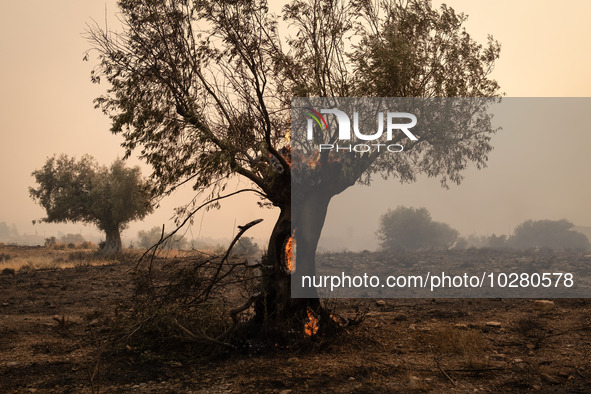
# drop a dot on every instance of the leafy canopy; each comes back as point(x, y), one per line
point(201, 89)
point(73, 190)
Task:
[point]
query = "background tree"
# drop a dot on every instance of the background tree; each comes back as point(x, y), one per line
point(202, 90)
point(554, 234)
point(413, 228)
point(72, 239)
point(147, 239)
point(246, 247)
point(82, 191)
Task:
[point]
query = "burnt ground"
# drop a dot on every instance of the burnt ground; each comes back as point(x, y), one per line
point(49, 340)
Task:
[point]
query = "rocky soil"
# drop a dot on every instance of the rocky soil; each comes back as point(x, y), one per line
point(49, 342)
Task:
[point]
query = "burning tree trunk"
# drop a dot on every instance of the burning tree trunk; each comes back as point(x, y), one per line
point(282, 266)
point(275, 299)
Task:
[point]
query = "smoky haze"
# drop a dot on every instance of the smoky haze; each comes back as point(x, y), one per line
point(538, 170)
point(46, 108)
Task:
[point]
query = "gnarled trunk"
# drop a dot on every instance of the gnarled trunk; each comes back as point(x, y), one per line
point(276, 301)
point(308, 221)
point(112, 243)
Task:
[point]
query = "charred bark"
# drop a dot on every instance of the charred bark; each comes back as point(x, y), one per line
point(276, 301)
point(275, 298)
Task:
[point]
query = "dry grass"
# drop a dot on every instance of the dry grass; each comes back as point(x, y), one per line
point(32, 258)
point(456, 341)
point(48, 262)
point(469, 345)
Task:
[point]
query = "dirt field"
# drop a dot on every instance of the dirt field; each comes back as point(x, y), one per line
point(48, 343)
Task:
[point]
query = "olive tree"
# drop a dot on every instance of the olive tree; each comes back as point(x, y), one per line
point(201, 91)
point(73, 190)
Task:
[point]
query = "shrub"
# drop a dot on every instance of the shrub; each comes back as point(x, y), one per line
point(246, 246)
point(50, 242)
point(483, 241)
point(72, 239)
point(147, 239)
point(553, 234)
point(87, 245)
point(413, 228)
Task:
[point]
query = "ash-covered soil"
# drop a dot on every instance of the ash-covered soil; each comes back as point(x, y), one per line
point(50, 341)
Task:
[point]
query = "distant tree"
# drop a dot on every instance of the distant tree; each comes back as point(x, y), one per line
point(72, 239)
point(149, 238)
point(50, 242)
point(413, 228)
point(83, 191)
point(246, 246)
point(554, 234)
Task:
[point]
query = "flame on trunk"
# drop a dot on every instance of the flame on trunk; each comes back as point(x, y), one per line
point(290, 254)
point(311, 326)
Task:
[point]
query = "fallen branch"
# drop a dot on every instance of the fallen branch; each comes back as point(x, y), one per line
point(200, 335)
point(439, 367)
point(234, 315)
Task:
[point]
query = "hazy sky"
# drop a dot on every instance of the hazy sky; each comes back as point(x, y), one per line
point(46, 107)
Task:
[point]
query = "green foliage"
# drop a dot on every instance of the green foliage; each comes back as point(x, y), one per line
point(417, 51)
point(413, 228)
point(82, 191)
point(553, 234)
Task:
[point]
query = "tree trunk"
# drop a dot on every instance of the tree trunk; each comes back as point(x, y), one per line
point(308, 220)
point(112, 243)
point(276, 301)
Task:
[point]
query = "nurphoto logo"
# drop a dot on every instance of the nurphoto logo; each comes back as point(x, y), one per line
point(393, 124)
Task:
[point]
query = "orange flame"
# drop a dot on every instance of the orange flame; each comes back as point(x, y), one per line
point(290, 246)
point(311, 326)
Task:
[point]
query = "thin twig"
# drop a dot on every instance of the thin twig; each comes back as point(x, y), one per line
point(154, 247)
point(214, 279)
point(439, 366)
